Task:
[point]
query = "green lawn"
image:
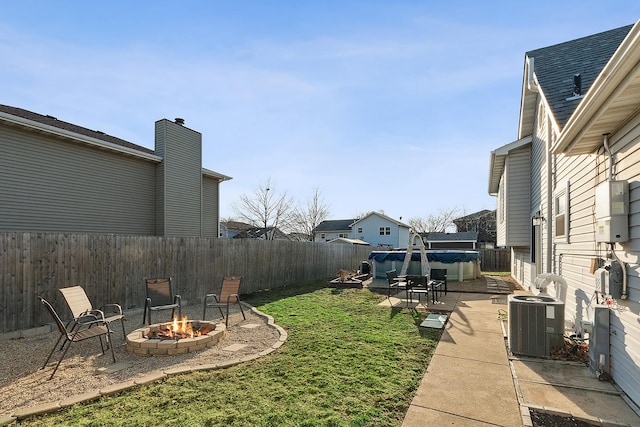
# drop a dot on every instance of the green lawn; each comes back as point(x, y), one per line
point(347, 362)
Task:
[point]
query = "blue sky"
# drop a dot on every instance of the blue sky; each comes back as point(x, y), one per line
point(382, 105)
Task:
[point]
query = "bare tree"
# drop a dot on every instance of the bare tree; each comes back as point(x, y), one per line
point(439, 223)
point(266, 208)
point(305, 219)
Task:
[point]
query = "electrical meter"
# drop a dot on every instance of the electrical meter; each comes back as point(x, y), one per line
point(612, 212)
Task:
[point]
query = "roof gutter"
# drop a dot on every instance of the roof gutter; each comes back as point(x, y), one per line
point(615, 77)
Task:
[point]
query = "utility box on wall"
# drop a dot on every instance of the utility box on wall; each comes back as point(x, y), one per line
point(612, 212)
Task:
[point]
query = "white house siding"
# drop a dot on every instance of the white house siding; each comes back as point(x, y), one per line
point(398, 237)
point(572, 260)
point(52, 184)
point(501, 217)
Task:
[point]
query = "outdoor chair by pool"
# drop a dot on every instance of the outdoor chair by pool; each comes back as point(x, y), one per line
point(439, 279)
point(418, 285)
point(98, 328)
point(395, 282)
point(229, 294)
point(160, 297)
point(80, 307)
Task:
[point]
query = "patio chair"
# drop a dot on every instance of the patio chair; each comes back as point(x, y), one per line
point(439, 279)
point(160, 297)
point(418, 285)
point(395, 282)
point(97, 328)
point(229, 294)
point(80, 306)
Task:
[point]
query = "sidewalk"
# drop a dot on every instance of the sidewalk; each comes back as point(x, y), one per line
point(468, 381)
point(472, 381)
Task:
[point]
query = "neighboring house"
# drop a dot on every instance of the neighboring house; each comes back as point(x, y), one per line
point(230, 229)
point(484, 223)
point(568, 192)
point(466, 240)
point(59, 177)
point(380, 230)
point(332, 229)
point(375, 228)
point(241, 230)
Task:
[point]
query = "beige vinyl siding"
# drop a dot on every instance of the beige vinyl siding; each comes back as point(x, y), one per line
point(210, 203)
point(518, 173)
point(182, 176)
point(585, 172)
point(55, 185)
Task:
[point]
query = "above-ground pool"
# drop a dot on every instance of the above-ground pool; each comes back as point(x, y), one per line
point(460, 265)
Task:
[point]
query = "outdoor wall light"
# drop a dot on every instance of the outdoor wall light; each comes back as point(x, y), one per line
point(537, 219)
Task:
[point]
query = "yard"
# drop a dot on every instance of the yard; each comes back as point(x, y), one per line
point(346, 362)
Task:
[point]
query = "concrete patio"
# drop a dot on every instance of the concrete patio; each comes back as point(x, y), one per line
point(472, 380)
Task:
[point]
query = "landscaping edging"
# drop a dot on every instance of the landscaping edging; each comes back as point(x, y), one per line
point(161, 374)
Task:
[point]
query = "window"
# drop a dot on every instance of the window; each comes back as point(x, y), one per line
point(561, 213)
point(359, 230)
point(323, 236)
point(385, 231)
point(343, 235)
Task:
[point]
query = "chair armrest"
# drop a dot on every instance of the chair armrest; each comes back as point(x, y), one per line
point(214, 296)
point(177, 299)
point(94, 313)
point(116, 308)
point(233, 295)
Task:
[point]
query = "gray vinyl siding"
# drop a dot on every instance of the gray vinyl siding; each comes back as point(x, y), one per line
point(501, 220)
point(181, 173)
point(517, 192)
point(55, 185)
point(210, 203)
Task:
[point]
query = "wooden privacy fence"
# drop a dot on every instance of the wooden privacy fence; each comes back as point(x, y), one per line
point(495, 259)
point(112, 268)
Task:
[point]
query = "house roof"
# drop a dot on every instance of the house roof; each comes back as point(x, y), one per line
point(554, 68)
point(381, 215)
point(59, 124)
point(15, 116)
point(464, 236)
point(349, 241)
point(609, 104)
point(497, 162)
point(332, 225)
point(474, 216)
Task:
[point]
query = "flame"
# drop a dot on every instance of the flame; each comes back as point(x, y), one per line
point(181, 329)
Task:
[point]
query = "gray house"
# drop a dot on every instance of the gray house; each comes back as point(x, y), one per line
point(568, 191)
point(59, 177)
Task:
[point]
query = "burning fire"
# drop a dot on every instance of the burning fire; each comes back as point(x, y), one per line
point(176, 329)
point(182, 329)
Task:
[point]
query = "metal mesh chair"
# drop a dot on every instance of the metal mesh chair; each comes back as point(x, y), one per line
point(96, 328)
point(395, 282)
point(80, 306)
point(160, 297)
point(229, 294)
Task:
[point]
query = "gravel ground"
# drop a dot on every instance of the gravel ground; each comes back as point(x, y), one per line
point(24, 384)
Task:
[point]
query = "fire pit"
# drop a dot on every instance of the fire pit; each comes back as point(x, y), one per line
point(177, 337)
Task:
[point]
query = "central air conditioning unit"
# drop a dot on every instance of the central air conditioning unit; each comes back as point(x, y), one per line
point(536, 325)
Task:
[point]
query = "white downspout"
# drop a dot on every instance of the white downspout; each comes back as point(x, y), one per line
point(549, 214)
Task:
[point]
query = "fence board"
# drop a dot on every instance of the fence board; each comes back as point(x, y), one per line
point(112, 268)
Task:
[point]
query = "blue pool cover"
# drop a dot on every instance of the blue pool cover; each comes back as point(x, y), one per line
point(445, 257)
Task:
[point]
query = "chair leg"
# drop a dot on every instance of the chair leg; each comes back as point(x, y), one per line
point(241, 310)
point(124, 333)
point(60, 361)
point(54, 349)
